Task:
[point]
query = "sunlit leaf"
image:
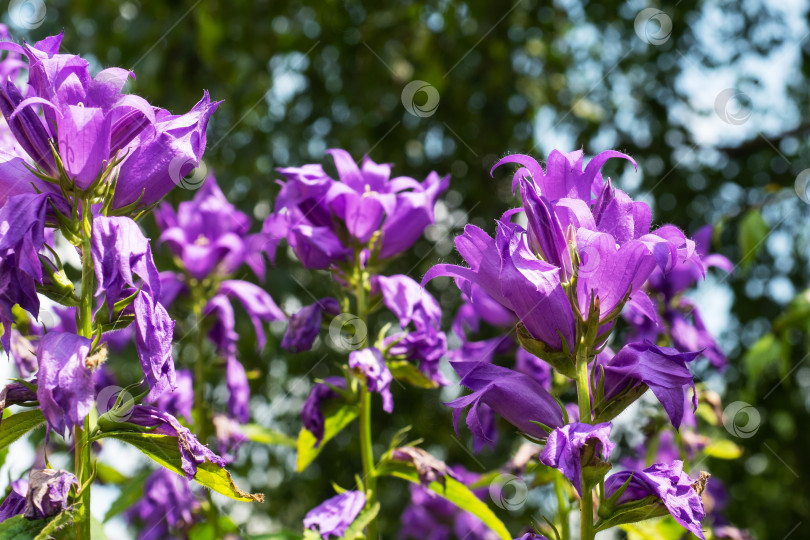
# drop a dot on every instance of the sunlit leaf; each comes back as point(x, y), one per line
point(453, 490)
point(337, 416)
point(17, 425)
point(164, 450)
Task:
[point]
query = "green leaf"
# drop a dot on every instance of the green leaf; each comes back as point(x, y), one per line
point(654, 530)
point(453, 490)
point(109, 475)
point(164, 450)
point(263, 435)
point(97, 529)
point(723, 449)
point(283, 535)
point(355, 530)
point(751, 236)
point(337, 416)
point(644, 509)
point(17, 425)
point(131, 492)
point(59, 522)
point(405, 371)
point(19, 528)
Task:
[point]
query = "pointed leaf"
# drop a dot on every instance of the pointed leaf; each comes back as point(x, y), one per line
point(337, 416)
point(164, 450)
point(405, 371)
point(17, 425)
point(453, 490)
point(264, 435)
point(355, 530)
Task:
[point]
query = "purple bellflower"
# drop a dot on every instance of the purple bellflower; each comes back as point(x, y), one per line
point(371, 363)
point(675, 489)
point(91, 123)
point(579, 227)
point(333, 516)
point(305, 324)
point(14, 503)
point(322, 218)
point(65, 388)
point(420, 318)
point(516, 397)
point(311, 413)
point(662, 369)
point(565, 446)
point(166, 506)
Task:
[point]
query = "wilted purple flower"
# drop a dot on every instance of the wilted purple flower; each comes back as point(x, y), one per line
point(192, 452)
point(14, 503)
point(48, 491)
point(663, 369)
point(22, 236)
point(166, 506)
point(180, 401)
point(420, 317)
point(207, 234)
point(333, 516)
point(124, 264)
point(531, 536)
point(427, 467)
point(65, 387)
point(311, 414)
point(565, 445)
point(677, 491)
point(305, 324)
point(378, 377)
point(16, 393)
point(363, 202)
point(516, 397)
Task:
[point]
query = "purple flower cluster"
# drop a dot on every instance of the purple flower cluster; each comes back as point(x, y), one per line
point(324, 220)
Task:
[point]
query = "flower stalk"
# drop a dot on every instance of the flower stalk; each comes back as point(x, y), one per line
point(366, 441)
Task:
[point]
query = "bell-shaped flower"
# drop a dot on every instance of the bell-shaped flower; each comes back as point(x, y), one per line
point(371, 363)
point(566, 449)
point(124, 265)
point(333, 516)
point(305, 324)
point(65, 388)
point(675, 490)
point(640, 365)
point(323, 218)
point(311, 414)
point(516, 397)
point(14, 503)
point(207, 234)
point(166, 506)
point(420, 318)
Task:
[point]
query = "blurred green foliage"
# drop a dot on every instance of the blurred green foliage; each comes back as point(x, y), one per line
point(299, 77)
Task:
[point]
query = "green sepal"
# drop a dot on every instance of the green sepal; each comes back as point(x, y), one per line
point(559, 360)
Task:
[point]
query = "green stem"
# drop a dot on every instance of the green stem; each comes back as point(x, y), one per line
point(199, 377)
point(84, 315)
point(366, 440)
point(584, 401)
point(562, 503)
